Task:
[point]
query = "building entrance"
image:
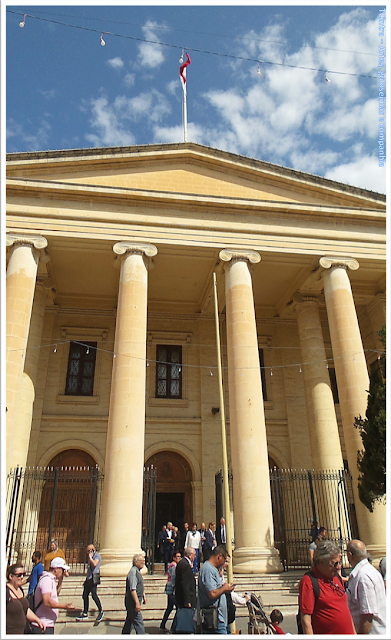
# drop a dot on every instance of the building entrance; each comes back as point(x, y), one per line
point(174, 494)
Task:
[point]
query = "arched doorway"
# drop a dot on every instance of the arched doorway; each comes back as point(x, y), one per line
point(174, 496)
point(68, 508)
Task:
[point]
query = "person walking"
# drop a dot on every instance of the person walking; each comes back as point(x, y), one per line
point(168, 542)
point(91, 583)
point(36, 572)
point(221, 535)
point(210, 541)
point(46, 596)
point(366, 593)
point(185, 592)
point(193, 540)
point(211, 591)
point(325, 612)
point(135, 597)
point(170, 591)
point(18, 613)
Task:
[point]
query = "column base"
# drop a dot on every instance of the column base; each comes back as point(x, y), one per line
point(256, 560)
point(118, 562)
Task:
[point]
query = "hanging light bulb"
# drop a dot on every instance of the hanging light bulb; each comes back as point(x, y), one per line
point(181, 58)
point(88, 351)
point(300, 369)
point(55, 349)
point(101, 40)
point(258, 69)
point(23, 22)
point(114, 355)
point(147, 363)
point(211, 373)
point(271, 372)
point(326, 78)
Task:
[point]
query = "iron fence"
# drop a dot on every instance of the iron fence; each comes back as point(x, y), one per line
point(302, 497)
point(53, 503)
point(149, 517)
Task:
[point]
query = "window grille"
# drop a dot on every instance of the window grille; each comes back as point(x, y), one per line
point(81, 369)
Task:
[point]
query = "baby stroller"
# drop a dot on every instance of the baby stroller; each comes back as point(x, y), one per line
point(259, 622)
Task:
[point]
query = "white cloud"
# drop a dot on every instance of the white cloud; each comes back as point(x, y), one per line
point(116, 63)
point(49, 94)
point(343, 123)
point(113, 121)
point(364, 172)
point(130, 79)
point(150, 54)
point(26, 139)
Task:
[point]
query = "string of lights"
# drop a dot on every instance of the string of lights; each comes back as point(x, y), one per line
point(158, 27)
point(192, 49)
point(380, 353)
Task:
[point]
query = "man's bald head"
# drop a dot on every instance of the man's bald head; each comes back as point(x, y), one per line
point(357, 551)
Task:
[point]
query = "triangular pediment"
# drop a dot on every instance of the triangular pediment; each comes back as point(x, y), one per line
point(187, 169)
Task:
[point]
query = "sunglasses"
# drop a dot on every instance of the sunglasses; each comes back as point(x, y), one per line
point(19, 575)
point(336, 564)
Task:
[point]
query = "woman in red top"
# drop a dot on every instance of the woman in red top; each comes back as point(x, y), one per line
point(329, 614)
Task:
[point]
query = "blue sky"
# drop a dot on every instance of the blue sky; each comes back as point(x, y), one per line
point(64, 90)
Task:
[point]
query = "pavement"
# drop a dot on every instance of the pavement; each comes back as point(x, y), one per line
point(114, 627)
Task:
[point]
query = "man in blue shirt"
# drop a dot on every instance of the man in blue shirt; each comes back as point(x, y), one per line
point(36, 572)
point(211, 591)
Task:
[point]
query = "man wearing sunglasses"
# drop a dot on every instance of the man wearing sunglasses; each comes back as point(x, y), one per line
point(327, 611)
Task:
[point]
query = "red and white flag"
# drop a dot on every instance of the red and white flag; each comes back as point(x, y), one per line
point(182, 69)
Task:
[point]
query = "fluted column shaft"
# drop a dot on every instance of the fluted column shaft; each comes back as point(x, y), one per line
point(353, 385)
point(254, 552)
point(323, 427)
point(123, 486)
point(20, 285)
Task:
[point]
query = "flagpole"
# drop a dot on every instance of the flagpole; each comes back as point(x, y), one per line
point(184, 109)
point(224, 441)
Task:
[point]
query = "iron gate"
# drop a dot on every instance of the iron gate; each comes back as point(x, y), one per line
point(149, 517)
point(53, 503)
point(302, 497)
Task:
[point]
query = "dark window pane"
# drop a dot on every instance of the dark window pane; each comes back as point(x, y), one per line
point(168, 376)
point(81, 369)
point(263, 374)
point(333, 383)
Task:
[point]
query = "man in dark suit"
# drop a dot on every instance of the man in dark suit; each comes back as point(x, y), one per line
point(210, 541)
point(183, 535)
point(168, 542)
point(185, 592)
point(221, 535)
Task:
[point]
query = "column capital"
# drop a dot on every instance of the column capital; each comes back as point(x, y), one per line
point(140, 248)
point(45, 282)
point(346, 263)
point(37, 242)
point(299, 298)
point(226, 255)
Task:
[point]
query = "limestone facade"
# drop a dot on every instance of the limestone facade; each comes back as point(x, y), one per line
point(116, 248)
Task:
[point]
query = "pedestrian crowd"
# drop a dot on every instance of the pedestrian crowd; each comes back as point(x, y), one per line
point(330, 602)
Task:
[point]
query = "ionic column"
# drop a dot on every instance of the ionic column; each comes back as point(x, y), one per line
point(254, 552)
point(323, 427)
point(20, 285)
point(29, 376)
point(123, 484)
point(353, 384)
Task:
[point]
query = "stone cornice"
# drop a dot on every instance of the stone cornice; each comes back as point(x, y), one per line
point(346, 263)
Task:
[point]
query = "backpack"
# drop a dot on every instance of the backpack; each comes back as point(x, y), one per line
point(31, 599)
point(315, 586)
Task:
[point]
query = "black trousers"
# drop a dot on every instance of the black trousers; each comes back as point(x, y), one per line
point(90, 588)
point(37, 631)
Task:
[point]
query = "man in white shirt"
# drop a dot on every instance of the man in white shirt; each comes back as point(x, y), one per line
point(366, 593)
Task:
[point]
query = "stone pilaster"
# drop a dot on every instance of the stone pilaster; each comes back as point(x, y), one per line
point(123, 486)
point(20, 284)
point(254, 552)
point(353, 384)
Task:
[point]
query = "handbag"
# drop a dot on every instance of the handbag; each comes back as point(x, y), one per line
point(185, 620)
point(96, 578)
point(210, 618)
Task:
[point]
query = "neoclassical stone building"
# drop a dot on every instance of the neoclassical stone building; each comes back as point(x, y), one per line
point(111, 346)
